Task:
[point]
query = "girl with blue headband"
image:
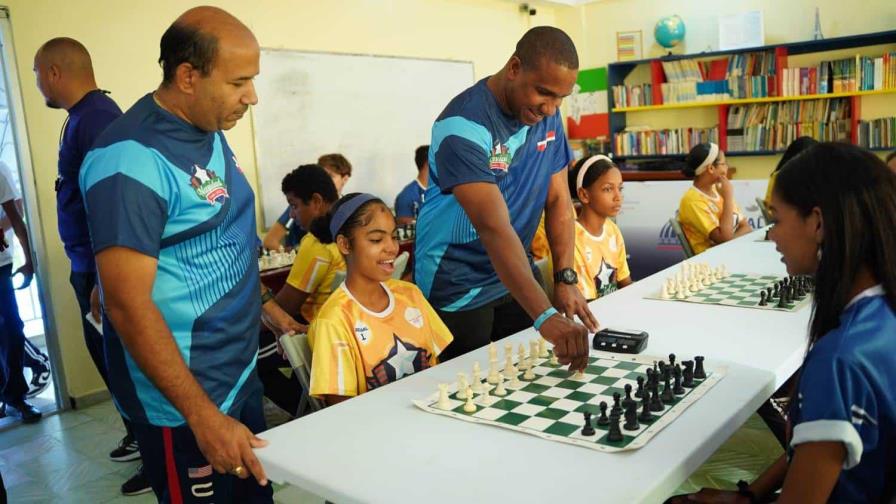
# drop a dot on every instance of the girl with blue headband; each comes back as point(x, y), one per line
point(373, 329)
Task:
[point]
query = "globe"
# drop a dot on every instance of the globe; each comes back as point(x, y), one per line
point(669, 31)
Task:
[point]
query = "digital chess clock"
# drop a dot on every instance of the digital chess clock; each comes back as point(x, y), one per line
point(620, 340)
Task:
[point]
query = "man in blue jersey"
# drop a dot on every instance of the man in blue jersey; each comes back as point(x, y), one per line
point(173, 226)
point(410, 199)
point(64, 73)
point(497, 159)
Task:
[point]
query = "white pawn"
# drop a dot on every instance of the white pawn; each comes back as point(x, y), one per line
point(469, 407)
point(533, 352)
point(542, 348)
point(477, 382)
point(554, 361)
point(578, 375)
point(500, 391)
point(522, 364)
point(670, 284)
point(485, 398)
point(529, 374)
point(515, 381)
point(492, 351)
point(444, 403)
point(476, 369)
point(508, 351)
point(493, 371)
point(508, 366)
point(462, 385)
point(664, 293)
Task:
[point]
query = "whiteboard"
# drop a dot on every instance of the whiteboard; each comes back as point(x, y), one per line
point(374, 110)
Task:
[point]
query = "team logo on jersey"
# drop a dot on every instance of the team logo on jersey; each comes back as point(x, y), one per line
point(414, 317)
point(500, 158)
point(588, 254)
point(208, 185)
point(548, 138)
point(362, 332)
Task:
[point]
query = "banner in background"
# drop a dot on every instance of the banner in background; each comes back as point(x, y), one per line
point(644, 220)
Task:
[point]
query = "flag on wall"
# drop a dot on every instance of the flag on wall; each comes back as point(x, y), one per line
point(588, 105)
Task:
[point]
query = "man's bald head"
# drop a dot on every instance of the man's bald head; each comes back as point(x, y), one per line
point(67, 54)
point(196, 38)
point(64, 72)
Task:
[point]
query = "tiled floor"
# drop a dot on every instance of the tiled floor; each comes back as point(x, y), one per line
point(63, 458)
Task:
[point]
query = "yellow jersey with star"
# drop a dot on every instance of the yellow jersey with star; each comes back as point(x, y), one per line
point(699, 213)
point(355, 350)
point(541, 249)
point(313, 272)
point(600, 261)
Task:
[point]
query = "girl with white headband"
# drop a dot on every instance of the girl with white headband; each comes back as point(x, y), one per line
point(600, 260)
point(708, 213)
point(373, 329)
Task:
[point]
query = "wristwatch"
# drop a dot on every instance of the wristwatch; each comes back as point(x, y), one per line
point(567, 276)
point(743, 488)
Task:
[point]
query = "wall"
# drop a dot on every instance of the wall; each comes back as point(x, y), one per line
point(594, 28)
point(123, 39)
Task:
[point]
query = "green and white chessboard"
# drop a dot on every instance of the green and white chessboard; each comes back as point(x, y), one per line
point(741, 290)
point(552, 405)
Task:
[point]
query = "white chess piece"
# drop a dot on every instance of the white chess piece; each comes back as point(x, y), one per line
point(476, 368)
point(493, 371)
point(543, 348)
point(554, 361)
point(664, 293)
point(533, 351)
point(469, 406)
point(529, 374)
point(670, 284)
point(485, 398)
point(500, 391)
point(522, 364)
point(462, 385)
point(477, 382)
point(492, 351)
point(578, 375)
point(444, 403)
point(515, 381)
point(508, 366)
point(508, 351)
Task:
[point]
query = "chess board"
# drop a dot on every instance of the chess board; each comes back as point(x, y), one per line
point(552, 405)
point(740, 290)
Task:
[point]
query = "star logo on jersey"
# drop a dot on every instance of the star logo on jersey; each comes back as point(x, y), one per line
point(402, 360)
point(606, 278)
point(208, 185)
point(500, 158)
point(549, 137)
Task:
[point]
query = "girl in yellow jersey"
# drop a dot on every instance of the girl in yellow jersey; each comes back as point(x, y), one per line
point(373, 329)
point(708, 213)
point(600, 258)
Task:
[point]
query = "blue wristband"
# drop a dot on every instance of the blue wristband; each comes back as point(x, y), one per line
point(550, 312)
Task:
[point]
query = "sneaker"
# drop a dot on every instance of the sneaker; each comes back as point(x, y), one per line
point(127, 450)
point(23, 411)
point(39, 365)
point(136, 484)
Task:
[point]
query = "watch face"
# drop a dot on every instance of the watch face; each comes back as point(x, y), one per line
point(568, 276)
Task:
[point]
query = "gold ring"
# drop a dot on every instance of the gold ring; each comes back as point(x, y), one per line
point(238, 470)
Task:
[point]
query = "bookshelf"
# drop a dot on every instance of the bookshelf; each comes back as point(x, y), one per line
point(776, 58)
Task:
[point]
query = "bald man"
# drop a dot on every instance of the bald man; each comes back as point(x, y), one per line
point(64, 73)
point(172, 218)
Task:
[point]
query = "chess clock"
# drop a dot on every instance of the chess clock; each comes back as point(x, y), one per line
point(620, 340)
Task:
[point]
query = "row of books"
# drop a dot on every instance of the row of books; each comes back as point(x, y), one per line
point(859, 73)
point(878, 133)
point(633, 96)
point(646, 142)
point(684, 70)
point(773, 126)
point(751, 64)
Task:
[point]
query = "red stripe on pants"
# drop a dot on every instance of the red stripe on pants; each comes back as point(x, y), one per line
point(171, 468)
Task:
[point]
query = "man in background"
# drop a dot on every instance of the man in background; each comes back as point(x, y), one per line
point(410, 199)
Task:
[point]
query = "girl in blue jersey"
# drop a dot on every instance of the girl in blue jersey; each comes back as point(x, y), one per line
point(835, 212)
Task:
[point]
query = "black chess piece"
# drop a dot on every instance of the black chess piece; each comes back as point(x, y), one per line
point(602, 419)
point(699, 372)
point(667, 396)
point(631, 417)
point(678, 389)
point(688, 374)
point(646, 415)
point(782, 300)
point(656, 403)
point(768, 293)
point(588, 429)
point(617, 407)
point(615, 433)
point(671, 360)
point(640, 392)
point(777, 291)
point(762, 301)
point(628, 396)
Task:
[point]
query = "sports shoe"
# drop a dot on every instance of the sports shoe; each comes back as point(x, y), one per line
point(39, 365)
point(127, 450)
point(136, 484)
point(23, 411)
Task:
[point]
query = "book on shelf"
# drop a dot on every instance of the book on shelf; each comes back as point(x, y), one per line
point(633, 96)
point(877, 133)
point(743, 75)
point(773, 126)
point(846, 75)
point(639, 141)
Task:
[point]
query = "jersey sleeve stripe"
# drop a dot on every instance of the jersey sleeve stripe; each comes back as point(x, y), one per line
point(831, 430)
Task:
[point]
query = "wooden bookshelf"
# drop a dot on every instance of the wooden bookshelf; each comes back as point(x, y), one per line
point(617, 72)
